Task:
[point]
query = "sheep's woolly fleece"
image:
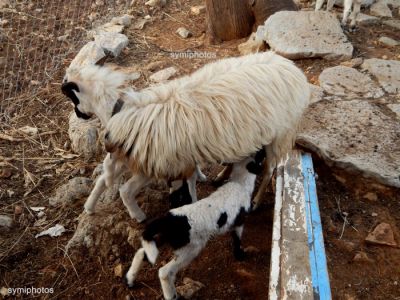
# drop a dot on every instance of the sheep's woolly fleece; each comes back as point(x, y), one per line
point(223, 112)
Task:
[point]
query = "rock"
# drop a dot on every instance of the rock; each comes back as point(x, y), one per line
point(348, 83)
point(382, 235)
point(395, 108)
point(317, 93)
point(6, 222)
point(345, 245)
point(374, 214)
point(88, 55)
point(197, 10)
point(380, 9)
point(394, 3)
point(189, 288)
point(252, 45)
point(75, 189)
point(302, 34)
point(124, 20)
point(118, 271)
point(163, 75)
point(363, 19)
point(111, 42)
point(348, 135)
point(139, 24)
point(84, 136)
point(362, 257)
point(183, 32)
point(154, 3)
point(18, 210)
point(353, 63)
point(388, 41)
point(371, 196)
point(245, 274)
point(393, 23)
point(387, 72)
point(6, 173)
point(97, 233)
point(251, 249)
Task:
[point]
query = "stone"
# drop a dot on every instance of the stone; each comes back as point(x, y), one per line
point(394, 3)
point(183, 32)
point(317, 93)
point(140, 23)
point(371, 196)
point(348, 83)
point(387, 72)
point(88, 55)
point(380, 9)
point(4, 3)
point(252, 45)
point(362, 257)
point(388, 41)
point(118, 271)
point(124, 20)
point(303, 34)
point(353, 63)
point(84, 136)
point(393, 23)
point(197, 10)
point(154, 3)
point(6, 222)
point(111, 42)
point(363, 19)
point(382, 235)
point(343, 245)
point(163, 75)
point(349, 135)
point(18, 210)
point(374, 214)
point(395, 107)
point(75, 189)
point(189, 288)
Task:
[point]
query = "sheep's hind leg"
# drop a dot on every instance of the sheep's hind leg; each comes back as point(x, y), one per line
point(167, 273)
point(135, 267)
point(128, 192)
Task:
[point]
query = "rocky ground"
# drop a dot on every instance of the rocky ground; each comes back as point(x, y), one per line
point(49, 159)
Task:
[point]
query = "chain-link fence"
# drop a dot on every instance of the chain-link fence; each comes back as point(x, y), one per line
point(36, 37)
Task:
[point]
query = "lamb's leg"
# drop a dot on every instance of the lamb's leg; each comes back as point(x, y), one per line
point(269, 166)
point(223, 175)
point(330, 5)
point(167, 273)
point(136, 265)
point(237, 249)
point(346, 11)
point(100, 186)
point(128, 192)
point(319, 4)
point(354, 15)
point(191, 181)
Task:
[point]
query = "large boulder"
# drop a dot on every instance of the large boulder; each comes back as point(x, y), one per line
point(302, 34)
point(355, 135)
point(387, 72)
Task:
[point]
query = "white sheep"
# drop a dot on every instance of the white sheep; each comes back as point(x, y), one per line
point(221, 113)
point(347, 9)
point(187, 229)
point(106, 88)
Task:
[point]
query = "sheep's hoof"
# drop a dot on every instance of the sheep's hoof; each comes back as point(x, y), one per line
point(126, 282)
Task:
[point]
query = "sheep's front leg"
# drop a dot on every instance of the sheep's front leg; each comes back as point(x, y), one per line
point(356, 11)
point(101, 184)
point(346, 11)
point(136, 265)
point(319, 4)
point(128, 192)
point(167, 273)
point(237, 248)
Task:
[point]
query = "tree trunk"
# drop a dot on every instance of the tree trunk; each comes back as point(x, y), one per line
point(234, 19)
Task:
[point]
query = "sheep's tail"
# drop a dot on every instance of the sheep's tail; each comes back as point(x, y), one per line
point(155, 227)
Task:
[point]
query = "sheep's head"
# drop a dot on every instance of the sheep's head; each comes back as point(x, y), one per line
point(93, 89)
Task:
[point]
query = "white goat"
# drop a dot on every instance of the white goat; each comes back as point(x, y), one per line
point(347, 8)
point(187, 229)
point(221, 113)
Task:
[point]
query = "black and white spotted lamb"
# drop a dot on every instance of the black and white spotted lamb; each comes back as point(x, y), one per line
point(187, 229)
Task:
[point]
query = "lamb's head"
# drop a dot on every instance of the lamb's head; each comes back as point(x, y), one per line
point(94, 90)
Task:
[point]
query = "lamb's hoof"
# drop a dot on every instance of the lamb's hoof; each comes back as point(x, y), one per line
point(126, 282)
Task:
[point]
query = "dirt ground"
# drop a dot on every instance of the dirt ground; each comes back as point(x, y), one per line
point(31, 168)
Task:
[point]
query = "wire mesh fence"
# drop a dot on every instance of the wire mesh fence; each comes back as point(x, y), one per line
point(37, 36)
